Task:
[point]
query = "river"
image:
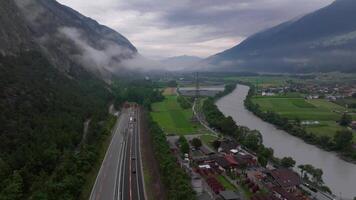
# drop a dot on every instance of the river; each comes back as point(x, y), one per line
point(339, 175)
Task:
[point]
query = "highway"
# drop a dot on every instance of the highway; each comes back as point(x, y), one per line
point(120, 176)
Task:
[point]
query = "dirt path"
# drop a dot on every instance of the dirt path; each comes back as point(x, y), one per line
point(154, 187)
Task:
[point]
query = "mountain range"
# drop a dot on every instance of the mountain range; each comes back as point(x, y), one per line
point(180, 62)
point(322, 41)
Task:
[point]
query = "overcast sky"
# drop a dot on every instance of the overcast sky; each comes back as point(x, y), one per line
point(164, 28)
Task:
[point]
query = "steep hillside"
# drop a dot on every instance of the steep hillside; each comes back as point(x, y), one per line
point(321, 41)
point(48, 89)
point(69, 39)
point(14, 34)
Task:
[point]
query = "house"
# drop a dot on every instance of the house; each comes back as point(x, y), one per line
point(229, 195)
point(206, 159)
point(284, 178)
point(227, 145)
point(222, 163)
point(353, 125)
point(244, 159)
point(281, 193)
point(205, 150)
point(269, 94)
point(232, 161)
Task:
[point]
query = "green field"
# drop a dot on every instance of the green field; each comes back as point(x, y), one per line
point(173, 119)
point(225, 183)
point(316, 109)
point(208, 139)
point(327, 113)
point(262, 81)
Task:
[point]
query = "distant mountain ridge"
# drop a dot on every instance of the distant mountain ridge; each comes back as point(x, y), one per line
point(324, 40)
point(180, 62)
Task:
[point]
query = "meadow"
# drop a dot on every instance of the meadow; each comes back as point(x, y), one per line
point(327, 113)
point(173, 119)
point(316, 109)
point(262, 81)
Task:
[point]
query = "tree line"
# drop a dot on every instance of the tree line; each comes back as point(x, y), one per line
point(176, 181)
point(250, 139)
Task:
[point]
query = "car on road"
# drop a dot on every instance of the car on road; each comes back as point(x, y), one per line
point(133, 169)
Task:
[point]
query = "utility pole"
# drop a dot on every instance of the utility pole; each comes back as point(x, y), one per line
point(197, 85)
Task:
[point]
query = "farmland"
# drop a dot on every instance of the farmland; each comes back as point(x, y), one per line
point(316, 109)
point(323, 111)
point(173, 119)
point(262, 81)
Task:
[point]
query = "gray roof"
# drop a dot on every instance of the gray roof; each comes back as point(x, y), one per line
point(229, 195)
point(204, 196)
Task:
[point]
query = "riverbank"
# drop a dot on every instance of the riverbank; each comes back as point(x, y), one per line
point(344, 149)
point(251, 141)
point(339, 175)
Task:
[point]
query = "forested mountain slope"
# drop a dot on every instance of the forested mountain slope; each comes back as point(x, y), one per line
point(47, 92)
point(322, 41)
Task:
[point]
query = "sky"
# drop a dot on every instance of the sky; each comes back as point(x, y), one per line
point(167, 28)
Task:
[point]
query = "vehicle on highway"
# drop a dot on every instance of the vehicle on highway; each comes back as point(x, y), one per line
point(133, 169)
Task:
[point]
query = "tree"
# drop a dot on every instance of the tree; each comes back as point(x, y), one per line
point(172, 83)
point(302, 170)
point(262, 160)
point(13, 188)
point(345, 120)
point(287, 162)
point(251, 141)
point(216, 144)
point(196, 142)
point(318, 176)
point(184, 146)
point(4, 170)
point(228, 125)
point(343, 139)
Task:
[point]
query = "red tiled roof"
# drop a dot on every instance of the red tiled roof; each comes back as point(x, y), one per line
point(231, 160)
point(286, 177)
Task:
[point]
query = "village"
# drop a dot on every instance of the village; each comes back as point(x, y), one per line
point(231, 172)
point(329, 91)
point(337, 98)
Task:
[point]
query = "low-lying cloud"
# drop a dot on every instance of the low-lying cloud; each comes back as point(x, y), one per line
point(111, 58)
point(161, 28)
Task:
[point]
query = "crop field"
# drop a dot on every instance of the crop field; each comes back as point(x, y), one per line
point(327, 128)
point(169, 91)
point(172, 118)
point(327, 113)
point(292, 108)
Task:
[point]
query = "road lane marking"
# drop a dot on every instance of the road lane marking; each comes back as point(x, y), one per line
point(92, 195)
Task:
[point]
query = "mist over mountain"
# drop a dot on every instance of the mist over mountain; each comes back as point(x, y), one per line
point(67, 38)
point(322, 41)
point(180, 62)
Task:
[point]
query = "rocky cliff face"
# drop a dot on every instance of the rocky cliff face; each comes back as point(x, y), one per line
point(67, 38)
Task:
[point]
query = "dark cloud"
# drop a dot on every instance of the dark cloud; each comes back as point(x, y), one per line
point(195, 27)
